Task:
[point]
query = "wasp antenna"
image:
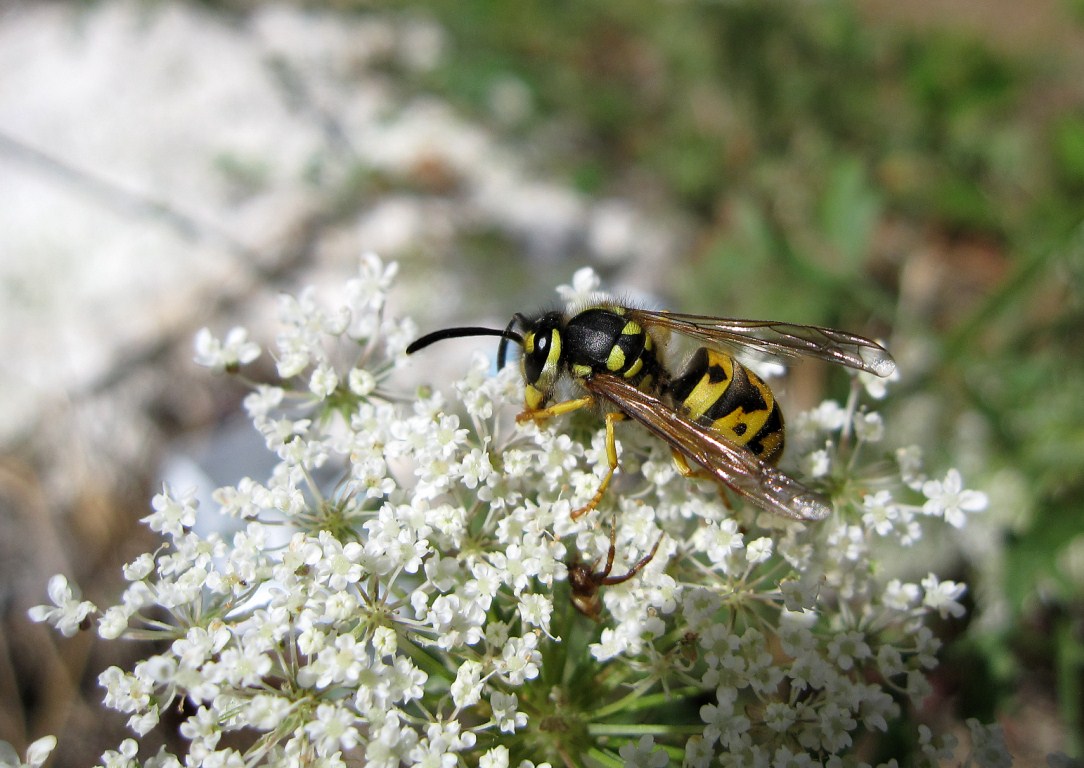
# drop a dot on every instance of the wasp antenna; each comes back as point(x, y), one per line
point(509, 335)
point(454, 333)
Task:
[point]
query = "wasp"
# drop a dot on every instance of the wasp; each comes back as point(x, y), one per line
point(715, 412)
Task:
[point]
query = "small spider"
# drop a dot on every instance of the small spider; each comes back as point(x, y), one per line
point(585, 582)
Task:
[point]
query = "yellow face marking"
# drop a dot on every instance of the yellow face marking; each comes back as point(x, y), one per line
point(555, 350)
point(706, 393)
point(532, 397)
point(528, 343)
point(616, 360)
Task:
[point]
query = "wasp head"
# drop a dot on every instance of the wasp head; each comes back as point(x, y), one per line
point(541, 362)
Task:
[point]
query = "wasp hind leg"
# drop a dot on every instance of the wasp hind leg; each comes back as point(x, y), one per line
point(611, 454)
point(686, 471)
point(682, 465)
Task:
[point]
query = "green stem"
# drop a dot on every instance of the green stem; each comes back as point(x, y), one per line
point(621, 704)
point(1069, 659)
point(640, 703)
point(641, 729)
point(425, 661)
point(608, 759)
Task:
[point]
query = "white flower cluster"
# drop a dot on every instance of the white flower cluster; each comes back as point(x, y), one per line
point(417, 611)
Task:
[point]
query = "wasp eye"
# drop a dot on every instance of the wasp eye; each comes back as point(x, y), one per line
point(535, 360)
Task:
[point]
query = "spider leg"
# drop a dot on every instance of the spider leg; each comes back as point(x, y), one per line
point(611, 580)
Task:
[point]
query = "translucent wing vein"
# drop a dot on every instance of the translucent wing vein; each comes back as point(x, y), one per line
point(777, 338)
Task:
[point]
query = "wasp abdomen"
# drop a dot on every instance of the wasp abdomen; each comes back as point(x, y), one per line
point(719, 393)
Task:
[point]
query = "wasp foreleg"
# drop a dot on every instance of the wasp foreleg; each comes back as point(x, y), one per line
point(557, 409)
point(611, 454)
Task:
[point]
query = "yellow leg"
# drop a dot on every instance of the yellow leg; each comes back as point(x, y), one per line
point(685, 470)
point(611, 455)
point(557, 409)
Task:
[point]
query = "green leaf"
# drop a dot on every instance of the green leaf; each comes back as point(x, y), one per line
point(849, 212)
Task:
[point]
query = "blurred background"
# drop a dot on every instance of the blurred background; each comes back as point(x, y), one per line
point(910, 171)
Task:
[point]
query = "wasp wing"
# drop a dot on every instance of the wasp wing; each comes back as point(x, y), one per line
point(730, 464)
point(775, 338)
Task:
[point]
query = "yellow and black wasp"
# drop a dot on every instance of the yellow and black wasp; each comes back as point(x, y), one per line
point(716, 412)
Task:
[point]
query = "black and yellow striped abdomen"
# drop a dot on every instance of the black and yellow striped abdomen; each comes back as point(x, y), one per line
point(718, 392)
